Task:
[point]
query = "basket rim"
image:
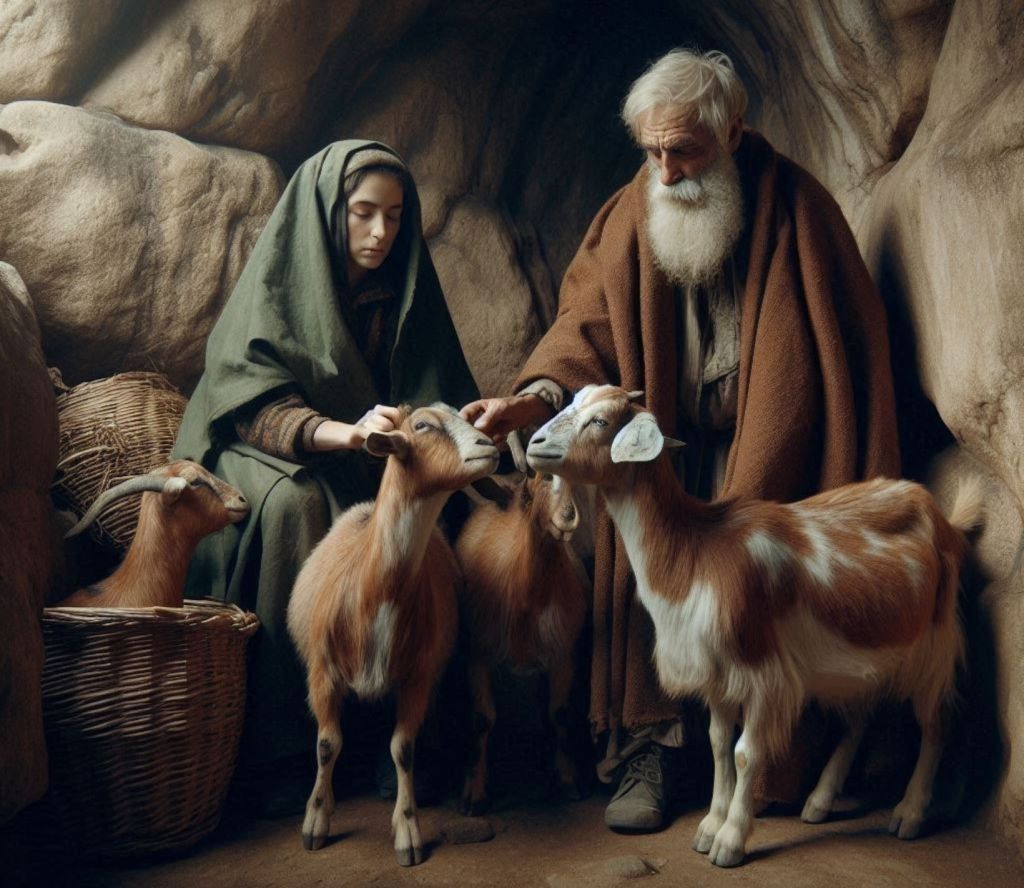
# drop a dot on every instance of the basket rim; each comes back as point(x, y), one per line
point(208, 612)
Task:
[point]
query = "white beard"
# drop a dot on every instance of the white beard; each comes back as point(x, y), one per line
point(694, 224)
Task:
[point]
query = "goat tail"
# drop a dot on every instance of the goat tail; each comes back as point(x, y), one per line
point(968, 505)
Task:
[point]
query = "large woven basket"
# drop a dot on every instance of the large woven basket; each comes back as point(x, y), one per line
point(110, 430)
point(143, 711)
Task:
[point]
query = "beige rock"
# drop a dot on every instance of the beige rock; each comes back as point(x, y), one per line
point(129, 240)
point(28, 456)
point(487, 292)
point(257, 75)
point(815, 70)
point(48, 46)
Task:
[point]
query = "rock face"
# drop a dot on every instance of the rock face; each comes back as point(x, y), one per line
point(129, 239)
point(908, 110)
point(257, 75)
point(49, 47)
point(28, 457)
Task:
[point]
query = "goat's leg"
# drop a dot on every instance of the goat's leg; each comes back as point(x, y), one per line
point(412, 706)
point(325, 701)
point(833, 776)
point(474, 792)
point(908, 816)
point(722, 731)
point(559, 686)
point(729, 845)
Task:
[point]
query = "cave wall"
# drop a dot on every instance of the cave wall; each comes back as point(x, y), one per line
point(143, 145)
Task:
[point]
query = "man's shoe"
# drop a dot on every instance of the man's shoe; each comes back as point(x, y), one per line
point(641, 802)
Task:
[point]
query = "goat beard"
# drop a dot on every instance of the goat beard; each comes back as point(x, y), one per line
point(694, 224)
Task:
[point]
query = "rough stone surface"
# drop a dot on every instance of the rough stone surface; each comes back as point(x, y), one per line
point(815, 72)
point(47, 47)
point(28, 456)
point(487, 291)
point(129, 240)
point(257, 75)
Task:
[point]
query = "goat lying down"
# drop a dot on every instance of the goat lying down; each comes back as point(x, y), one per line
point(524, 603)
point(181, 504)
point(760, 606)
point(374, 606)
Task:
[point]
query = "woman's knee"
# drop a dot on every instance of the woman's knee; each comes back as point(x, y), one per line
point(296, 506)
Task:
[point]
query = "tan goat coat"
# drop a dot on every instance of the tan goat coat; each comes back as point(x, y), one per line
point(815, 407)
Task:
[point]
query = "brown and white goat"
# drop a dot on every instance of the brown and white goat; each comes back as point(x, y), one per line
point(181, 504)
point(760, 606)
point(374, 608)
point(524, 603)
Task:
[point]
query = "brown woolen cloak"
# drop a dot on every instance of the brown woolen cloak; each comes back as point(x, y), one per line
point(815, 405)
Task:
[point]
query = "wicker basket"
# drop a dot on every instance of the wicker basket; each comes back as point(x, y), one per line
point(111, 430)
point(143, 711)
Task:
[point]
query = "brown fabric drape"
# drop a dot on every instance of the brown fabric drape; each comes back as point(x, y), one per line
point(815, 404)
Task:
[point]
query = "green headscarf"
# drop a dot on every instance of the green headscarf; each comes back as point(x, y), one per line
point(285, 322)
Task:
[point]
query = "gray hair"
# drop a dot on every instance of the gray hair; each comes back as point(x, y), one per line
point(703, 86)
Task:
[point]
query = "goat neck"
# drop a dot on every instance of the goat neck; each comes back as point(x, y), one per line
point(660, 524)
point(401, 522)
point(157, 561)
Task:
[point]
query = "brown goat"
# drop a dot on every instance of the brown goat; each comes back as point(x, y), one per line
point(758, 607)
point(374, 606)
point(181, 504)
point(524, 603)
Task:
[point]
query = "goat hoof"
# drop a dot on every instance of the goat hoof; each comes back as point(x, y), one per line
point(727, 849)
point(814, 813)
point(313, 843)
point(704, 838)
point(905, 827)
point(411, 856)
point(726, 857)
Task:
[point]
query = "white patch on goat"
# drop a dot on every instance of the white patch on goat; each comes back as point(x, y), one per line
point(915, 570)
point(769, 552)
point(875, 544)
point(411, 528)
point(831, 668)
point(686, 630)
point(819, 563)
point(371, 682)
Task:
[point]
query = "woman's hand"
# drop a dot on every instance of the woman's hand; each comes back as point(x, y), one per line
point(333, 435)
point(496, 417)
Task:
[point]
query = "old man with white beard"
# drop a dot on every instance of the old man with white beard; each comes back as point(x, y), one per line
point(724, 282)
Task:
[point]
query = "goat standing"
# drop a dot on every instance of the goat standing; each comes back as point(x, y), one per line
point(524, 604)
point(759, 606)
point(181, 504)
point(374, 606)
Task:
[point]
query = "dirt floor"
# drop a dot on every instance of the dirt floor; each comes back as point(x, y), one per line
point(538, 843)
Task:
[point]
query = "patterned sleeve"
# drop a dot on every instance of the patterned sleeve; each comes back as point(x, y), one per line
point(282, 425)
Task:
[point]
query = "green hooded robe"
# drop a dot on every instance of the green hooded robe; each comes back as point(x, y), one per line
point(287, 326)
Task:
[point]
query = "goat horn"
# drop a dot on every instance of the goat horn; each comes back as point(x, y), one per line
point(138, 484)
point(515, 446)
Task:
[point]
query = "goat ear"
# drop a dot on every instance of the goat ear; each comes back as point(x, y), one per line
point(172, 490)
point(394, 444)
point(639, 440)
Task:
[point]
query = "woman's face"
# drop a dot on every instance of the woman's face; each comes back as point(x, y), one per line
point(374, 212)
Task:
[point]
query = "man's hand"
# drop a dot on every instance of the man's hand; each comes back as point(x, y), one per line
point(496, 417)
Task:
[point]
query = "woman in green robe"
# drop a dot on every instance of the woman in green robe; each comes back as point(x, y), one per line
point(337, 316)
